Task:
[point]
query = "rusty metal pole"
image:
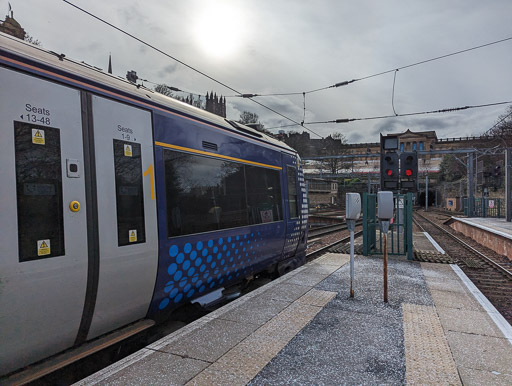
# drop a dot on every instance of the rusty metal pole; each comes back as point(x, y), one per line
point(385, 268)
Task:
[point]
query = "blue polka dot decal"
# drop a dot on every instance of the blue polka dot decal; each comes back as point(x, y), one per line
point(195, 268)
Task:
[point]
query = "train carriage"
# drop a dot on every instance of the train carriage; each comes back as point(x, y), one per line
point(120, 204)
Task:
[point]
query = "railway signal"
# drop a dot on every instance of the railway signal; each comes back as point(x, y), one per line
point(389, 171)
point(408, 171)
point(389, 162)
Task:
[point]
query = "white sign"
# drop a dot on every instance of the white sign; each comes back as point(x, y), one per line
point(491, 204)
point(266, 215)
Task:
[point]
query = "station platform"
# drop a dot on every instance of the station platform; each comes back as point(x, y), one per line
point(303, 328)
point(494, 233)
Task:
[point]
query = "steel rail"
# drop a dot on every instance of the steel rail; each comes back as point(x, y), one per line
point(469, 247)
point(325, 230)
point(309, 256)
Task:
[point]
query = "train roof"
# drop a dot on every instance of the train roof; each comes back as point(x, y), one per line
point(97, 75)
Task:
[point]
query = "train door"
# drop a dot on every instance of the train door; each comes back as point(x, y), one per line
point(43, 231)
point(293, 205)
point(128, 252)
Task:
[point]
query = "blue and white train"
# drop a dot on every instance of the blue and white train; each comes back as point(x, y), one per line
point(119, 204)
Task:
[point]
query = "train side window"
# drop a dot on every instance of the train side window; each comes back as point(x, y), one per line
point(38, 191)
point(129, 193)
point(203, 194)
point(263, 194)
point(291, 173)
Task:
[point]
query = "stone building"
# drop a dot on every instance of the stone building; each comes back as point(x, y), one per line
point(321, 192)
point(408, 141)
point(11, 27)
point(216, 105)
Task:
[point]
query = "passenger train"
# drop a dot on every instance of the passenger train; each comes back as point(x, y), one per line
point(119, 204)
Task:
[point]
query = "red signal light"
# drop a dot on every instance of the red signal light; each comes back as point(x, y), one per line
point(408, 172)
point(389, 172)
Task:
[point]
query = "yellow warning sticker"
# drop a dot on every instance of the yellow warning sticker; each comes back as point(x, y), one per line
point(132, 235)
point(43, 247)
point(38, 136)
point(127, 150)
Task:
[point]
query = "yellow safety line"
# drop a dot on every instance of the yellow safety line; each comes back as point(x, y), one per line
point(216, 155)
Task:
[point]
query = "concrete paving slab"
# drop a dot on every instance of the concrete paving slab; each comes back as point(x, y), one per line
point(336, 259)
point(481, 352)
point(436, 270)
point(446, 285)
point(286, 291)
point(422, 243)
point(468, 321)
point(256, 311)
point(456, 300)
point(308, 279)
point(212, 341)
point(158, 369)
point(322, 269)
point(472, 377)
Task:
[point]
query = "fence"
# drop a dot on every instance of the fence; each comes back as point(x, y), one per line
point(486, 207)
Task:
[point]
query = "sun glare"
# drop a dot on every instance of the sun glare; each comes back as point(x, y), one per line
point(219, 30)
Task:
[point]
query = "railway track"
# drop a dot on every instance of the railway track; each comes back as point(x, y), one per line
point(332, 242)
point(325, 230)
point(489, 271)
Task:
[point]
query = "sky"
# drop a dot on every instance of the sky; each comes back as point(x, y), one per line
point(282, 46)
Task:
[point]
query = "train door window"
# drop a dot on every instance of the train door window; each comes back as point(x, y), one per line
point(291, 173)
point(129, 193)
point(39, 191)
point(263, 194)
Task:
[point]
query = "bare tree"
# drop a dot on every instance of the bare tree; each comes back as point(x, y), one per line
point(248, 118)
point(32, 40)
point(164, 90)
point(503, 127)
point(334, 145)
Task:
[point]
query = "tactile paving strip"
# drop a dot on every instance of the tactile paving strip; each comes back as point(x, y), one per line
point(244, 361)
point(428, 359)
point(432, 257)
point(345, 248)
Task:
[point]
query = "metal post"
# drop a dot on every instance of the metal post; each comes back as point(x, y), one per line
point(471, 198)
point(461, 197)
point(351, 228)
point(426, 193)
point(408, 218)
point(369, 185)
point(508, 184)
point(385, 268)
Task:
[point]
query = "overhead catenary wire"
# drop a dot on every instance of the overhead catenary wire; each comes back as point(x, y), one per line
point(185, 64)
point(447, 110)
point(346, 83)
